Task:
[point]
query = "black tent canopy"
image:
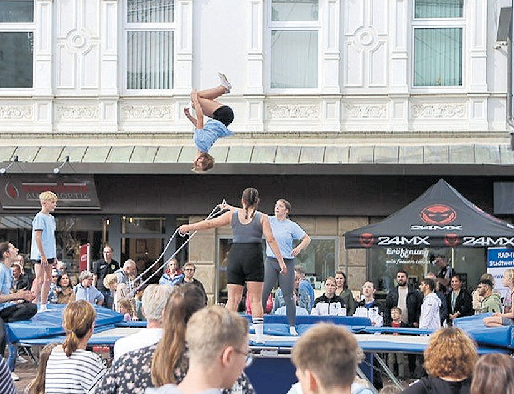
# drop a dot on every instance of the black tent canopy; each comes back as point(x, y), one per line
point(440, 217)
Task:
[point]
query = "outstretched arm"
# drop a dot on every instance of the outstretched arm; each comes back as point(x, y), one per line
point(220, 221)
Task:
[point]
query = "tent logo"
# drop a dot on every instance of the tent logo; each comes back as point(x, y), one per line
point(438, 214)
point(451, 240)
point(366, 240)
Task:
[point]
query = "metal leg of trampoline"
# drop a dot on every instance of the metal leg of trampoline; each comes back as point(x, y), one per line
point(387, 371)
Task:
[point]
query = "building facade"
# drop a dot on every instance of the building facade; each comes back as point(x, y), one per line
point(348, 108)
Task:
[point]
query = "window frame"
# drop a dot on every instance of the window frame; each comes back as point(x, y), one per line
point(438, 23)
point(292, 26)
point(156, 27)
point(23, 27)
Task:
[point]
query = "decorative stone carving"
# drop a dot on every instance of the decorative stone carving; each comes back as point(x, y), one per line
point(293, 111)
point(87, 112)
point(438, 111)
point(16, 112)
point(147, 112)
point(362, 111)
point(78, 40)
point(366, 38)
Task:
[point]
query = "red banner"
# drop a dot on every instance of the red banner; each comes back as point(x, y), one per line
point(84, 258)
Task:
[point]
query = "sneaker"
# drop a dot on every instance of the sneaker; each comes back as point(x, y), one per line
point(224, 82)
point(14, 376)
point(20, 360)
point(292, 331)
point(42, 308)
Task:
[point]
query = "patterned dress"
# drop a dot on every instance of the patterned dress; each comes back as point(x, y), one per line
point(131, 374)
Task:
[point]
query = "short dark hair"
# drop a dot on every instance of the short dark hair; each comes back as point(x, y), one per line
point(4, 247)
point(458, 276)
point(486, 282)
point(429, 282)
point(403, 272)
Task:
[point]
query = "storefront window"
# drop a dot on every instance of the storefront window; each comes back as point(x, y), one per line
point(137, 225)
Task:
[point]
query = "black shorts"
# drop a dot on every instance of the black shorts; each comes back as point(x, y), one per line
point(50, 261)
point(245, 264)
point(224, 114)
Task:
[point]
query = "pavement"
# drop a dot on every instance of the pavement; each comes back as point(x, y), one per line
point(26, 372)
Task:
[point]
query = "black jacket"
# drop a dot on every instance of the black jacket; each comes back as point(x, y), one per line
point(433, 385)
point(414, 301)
point(463, 303)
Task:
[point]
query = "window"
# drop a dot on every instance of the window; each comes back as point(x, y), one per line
point(438, 39)
point(16, 43)
point(294, 35)
point(149, 29)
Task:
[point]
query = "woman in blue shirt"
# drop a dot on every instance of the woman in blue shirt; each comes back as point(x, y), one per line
point(207, 133)
point(285, 232)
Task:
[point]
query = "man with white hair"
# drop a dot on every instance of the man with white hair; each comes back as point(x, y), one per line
point(86, 291)
point(154, 300)
point(127, 274)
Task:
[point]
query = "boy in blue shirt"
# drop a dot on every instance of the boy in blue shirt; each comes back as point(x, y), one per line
point(43, 250)
point(207, 133)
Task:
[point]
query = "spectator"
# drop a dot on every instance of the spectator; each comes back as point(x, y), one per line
point(20, 281)
point(449, 360)
point(445, 273)
point(189, 272)
point(506, 318)
point(390, 389)
point(443, 310)
point(318, 373)
point(345, 293)
point(52, 295)
point(154, 300)
point(64, 289)
point(406, 298)
point(302, 298)
point(60, 266)
point(6, 382)
point(493, 373)
point(71, 368)
point(369, 307)
point(173, 275)
point(477, 299)
point(429, 317)
point(101, 268)
point(459, 300)
point(126, 309)
point(127, 274)
point(86, 291)
point(396, 358)
point(218, 352)
point(491, 302)
point(305, 284)
point(119, 291)
point(329, 303)
point(13, 306)
point(166, 361)
point(37, 385)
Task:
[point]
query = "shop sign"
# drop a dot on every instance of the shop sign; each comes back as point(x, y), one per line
point(406, 256)
point(498, 260)
point(74, 192)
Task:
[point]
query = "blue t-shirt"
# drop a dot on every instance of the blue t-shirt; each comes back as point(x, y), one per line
point(6, 279)
point(206, 137)
point(46, 224)
point(284, 231)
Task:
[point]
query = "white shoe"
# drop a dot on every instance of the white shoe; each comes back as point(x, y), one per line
point(42, 308)
point(224, 82)
point(14, 377)
point(20, 360)
point(292, 331)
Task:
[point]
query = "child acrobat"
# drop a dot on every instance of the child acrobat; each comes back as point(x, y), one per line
point(207, 133)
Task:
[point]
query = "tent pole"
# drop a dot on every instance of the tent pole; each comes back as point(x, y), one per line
point(453, 259)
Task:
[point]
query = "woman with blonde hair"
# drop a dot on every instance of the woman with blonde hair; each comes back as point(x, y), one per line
point(71, 368)
point(506, 318)
point(164, 362)
point(449, 361)
point(37, 385)
point(494, 373)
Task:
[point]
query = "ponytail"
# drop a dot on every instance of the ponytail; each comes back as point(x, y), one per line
point(250, 199)
point(78, 319)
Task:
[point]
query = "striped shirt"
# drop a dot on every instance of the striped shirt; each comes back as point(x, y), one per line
point(78, 374)
point(6, 383)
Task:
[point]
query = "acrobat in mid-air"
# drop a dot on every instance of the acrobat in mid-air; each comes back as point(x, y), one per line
point(207, 133)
